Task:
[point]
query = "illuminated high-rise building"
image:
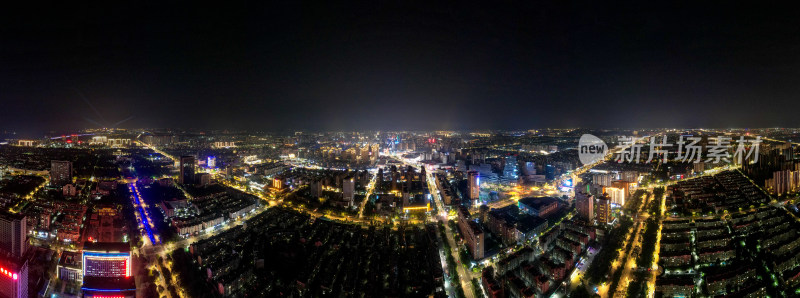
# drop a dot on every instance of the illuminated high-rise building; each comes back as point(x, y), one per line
point(13, 234)
point(107, 270)
point(785, 181)
point(106, 259)
point(409, 178)
point(603, 210)
point(374, 152)
point(13, 277)
point(629, 176)
point(529, 169)
point(603, 179)
point(348, 189)
point(26, 143)
point(60, 172)
point(187, 169)
point(473, 233)
point(617, 195)
point(474, 181)
point(395, 178)
point(203, 179)
point(211, 162)
point(585, 204)
point(379, 181)
point(510, 168)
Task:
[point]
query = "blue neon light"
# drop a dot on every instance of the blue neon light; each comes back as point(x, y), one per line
point(103, 254)
point(145, 222)
point(107, 290)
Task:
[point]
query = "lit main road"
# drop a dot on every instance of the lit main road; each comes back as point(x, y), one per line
point(437, 197)
point(147, 231)
point(29, 197)
point(154, 251)
point(156, 150)
point(661, 201)
point(144, 219)
point(630, 264)
point(464, 275)
point(603, 290)
point(779, 141)
point(651, 282)
point(155, 248)
point(370, 188)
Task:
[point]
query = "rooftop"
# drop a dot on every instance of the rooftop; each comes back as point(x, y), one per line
point(538, 202)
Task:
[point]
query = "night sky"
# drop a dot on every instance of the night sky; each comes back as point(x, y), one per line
point(395, 65)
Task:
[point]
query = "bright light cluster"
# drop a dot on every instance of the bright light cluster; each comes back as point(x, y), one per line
point(109, 257)
point(8, 273)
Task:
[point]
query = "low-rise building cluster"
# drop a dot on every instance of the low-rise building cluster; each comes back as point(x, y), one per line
point(726, 191)
point(192, 217)
point(283, 252)
point(722, 253)
point(526, 273)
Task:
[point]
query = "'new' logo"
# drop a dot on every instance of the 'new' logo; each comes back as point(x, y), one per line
point(591, 149)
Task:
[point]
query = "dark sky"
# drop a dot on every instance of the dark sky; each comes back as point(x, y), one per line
point(394, 65)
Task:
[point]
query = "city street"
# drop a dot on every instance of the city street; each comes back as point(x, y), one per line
point(370, 188)
point(632, 254)
point(464, 275)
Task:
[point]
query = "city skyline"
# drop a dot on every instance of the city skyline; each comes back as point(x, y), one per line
point(172, 213)
point(399, 149)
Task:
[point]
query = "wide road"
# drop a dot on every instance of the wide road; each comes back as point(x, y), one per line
point(151, 241)
point(153, 248)
point(630, 263)
point(463, 274)
point(370, 188)
point(651, 282)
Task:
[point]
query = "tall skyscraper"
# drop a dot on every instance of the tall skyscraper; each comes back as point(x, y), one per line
point(473, 233)
point(529, 169)
point(409, 179)
point(784, 181)
point(474, 185)
point(549, 172)
point(187, 169)
point(13, 277)
point(629, 176)
point(13, 234)
point(603, 179)
point(348, 189)
point(13, 266)
point(374, 152)
point(617, 195)
point(585, 204)
point(379, 181)
point(510, 167)
point(395, 178)
point(603, 210)
point(203, 179)
point(211, 162)
point(60, 172)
